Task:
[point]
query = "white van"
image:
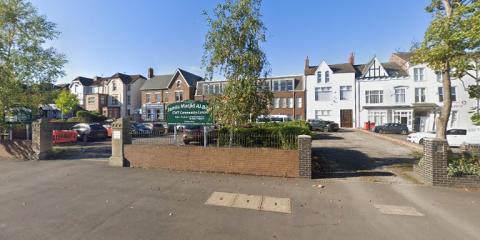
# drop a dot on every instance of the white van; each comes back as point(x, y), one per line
point(473, 135)
point(272, 118)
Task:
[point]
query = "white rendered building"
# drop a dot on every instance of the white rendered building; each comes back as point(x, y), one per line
point(394, 91)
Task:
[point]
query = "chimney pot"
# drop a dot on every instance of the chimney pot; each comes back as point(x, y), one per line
point(150, 73)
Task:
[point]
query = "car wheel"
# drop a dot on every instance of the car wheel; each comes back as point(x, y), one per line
point(186, 142)
point(381, 131)
point(421, 142)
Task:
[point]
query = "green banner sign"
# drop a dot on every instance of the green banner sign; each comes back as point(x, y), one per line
point(18, 115)
point(189, 113)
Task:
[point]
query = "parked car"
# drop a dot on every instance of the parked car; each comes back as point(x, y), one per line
point(194, 133)
point(156, 128)
point(273, 118)
point(322, 125)
point(90, 131)
point(140, 130)
point(455, 137)
point(396, 128)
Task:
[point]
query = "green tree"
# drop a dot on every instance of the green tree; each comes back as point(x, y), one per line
point(450, 46)
point(474, 92)
point(26, 64)
point(66, 102)
point(232, 49)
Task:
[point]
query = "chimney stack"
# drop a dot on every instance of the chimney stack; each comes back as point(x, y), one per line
point(150, 73)
point(307, 63)
point(351, 58)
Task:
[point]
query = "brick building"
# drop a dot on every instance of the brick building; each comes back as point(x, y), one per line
point(288, 94)
point(159, 91)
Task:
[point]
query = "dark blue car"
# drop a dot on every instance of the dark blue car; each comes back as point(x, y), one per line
point(396, 128)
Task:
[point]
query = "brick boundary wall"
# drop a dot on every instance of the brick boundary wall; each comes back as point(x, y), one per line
point(305, 156)
point(433, 167)
point(252, 161)
point(16, 150)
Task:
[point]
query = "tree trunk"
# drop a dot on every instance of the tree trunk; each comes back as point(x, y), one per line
point(442, 120)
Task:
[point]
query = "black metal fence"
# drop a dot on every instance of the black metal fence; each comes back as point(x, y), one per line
point(216, 139)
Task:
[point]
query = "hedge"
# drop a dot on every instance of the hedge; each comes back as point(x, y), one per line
point(273, 135)
point(88, 116)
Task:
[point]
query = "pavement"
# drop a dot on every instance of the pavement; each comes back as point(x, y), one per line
point(362, 198)
point(89, 200)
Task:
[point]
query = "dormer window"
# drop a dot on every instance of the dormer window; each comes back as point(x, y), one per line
point(327, 76)
point(319, 77)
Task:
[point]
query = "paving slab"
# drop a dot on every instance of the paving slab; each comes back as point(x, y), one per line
point(221, 199)
point(248, 201)
point(398, 210)
point(273, 204)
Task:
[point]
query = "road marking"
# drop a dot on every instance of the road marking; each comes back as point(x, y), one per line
point(254, 202)
point(398, 210)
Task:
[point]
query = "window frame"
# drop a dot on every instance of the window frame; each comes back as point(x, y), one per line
point(400, 94)
point(419, 74)
point(343, 90)
point(376, 95)
point(420, 95)
point(179, 96)
point(324, 90)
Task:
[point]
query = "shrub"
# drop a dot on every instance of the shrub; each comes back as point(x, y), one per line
point(275, 135)
point(88, 116)
point(463, 166)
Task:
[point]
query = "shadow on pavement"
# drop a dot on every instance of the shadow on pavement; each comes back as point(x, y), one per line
point(331, 162)
point(325, 136)
point(80, 150)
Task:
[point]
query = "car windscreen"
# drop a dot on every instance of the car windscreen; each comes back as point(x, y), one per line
point(193, 127)
point(96, 127)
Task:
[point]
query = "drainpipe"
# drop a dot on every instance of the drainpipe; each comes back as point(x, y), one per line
point(358, 102)
point(293, 105)
point(355, 101)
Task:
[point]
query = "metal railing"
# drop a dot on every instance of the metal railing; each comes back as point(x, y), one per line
point(216, 139)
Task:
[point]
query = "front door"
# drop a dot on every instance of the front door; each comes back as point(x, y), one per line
point(346, 118)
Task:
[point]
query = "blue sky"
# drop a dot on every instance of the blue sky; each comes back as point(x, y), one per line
point(109, 36)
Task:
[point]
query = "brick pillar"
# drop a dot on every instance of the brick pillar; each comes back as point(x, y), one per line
point(41, 139)
point(435, 161)
point(121, 134)
point(305, 153)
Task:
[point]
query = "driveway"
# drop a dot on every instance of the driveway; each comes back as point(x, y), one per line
point(88, 200)
point(353, 154)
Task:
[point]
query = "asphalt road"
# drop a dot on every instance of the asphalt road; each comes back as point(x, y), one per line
point(353, 154)
point(89, 200)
